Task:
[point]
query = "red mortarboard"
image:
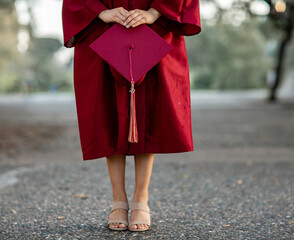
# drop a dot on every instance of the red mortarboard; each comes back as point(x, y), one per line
point(131, 52)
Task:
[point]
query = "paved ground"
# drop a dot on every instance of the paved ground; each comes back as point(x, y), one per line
point(237, 184)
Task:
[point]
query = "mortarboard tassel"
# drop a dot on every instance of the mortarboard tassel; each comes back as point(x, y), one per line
point(133, 132)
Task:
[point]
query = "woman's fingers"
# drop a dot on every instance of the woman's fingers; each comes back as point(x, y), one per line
point(118, 20)
point(131, 16)
point(120, 15)
point(114, 15)
point(123, 12)
point(130, 13)
point(137, 17)
point(135, 21)
point(139, 22)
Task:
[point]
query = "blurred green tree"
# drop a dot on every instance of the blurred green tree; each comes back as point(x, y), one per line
point(33, 68)
point(228, 57)
point(279, 28)
point(8, 41)
point(282, 15)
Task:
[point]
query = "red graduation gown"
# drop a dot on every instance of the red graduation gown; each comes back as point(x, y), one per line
point(163, 105)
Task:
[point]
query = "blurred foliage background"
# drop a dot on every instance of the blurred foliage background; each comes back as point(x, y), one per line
point(228, 57)
point(244, 44)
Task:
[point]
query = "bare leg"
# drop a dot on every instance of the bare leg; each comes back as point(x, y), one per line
point(116, 168)
point(143, 170)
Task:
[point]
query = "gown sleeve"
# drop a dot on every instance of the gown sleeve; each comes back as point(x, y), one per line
point(179, 16)
point(79, 17)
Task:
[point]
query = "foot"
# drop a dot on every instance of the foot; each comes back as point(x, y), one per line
point(139, 215)
point(118, 214)
point(118, 218)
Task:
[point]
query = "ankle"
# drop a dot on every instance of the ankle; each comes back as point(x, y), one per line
point(120, 196)
point(141, 196)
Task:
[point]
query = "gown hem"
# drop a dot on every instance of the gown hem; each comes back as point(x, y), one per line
point(87, 157)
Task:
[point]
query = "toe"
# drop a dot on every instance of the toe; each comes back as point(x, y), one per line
point(115, 225)
point(122, 225)
point(134, 226)
point(141, 226)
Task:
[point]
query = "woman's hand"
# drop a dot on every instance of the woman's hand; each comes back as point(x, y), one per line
point(118, 15)
point(137, 17)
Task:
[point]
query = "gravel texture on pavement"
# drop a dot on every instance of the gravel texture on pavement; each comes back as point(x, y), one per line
point(236, 184)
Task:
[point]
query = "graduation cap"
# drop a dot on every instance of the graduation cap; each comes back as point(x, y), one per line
point(131, 53)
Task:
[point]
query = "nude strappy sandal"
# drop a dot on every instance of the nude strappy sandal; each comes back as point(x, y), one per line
point(119, 205)
point(142, 207)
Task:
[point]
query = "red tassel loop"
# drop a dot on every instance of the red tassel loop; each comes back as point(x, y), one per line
point(133, 131)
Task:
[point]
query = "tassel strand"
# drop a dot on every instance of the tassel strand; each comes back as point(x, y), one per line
point(133, 131)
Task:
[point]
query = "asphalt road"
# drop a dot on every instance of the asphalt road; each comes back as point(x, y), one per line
point(237, 184)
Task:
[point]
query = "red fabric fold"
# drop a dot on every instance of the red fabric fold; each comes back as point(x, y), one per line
point(181, 17)
point(79, 17)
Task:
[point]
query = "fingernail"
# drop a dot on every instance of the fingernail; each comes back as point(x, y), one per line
point(125, 24)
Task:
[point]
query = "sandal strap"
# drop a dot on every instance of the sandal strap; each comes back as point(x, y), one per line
point(140, 206)
point(139, 222)
point(118, 221)
point(120, 205)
